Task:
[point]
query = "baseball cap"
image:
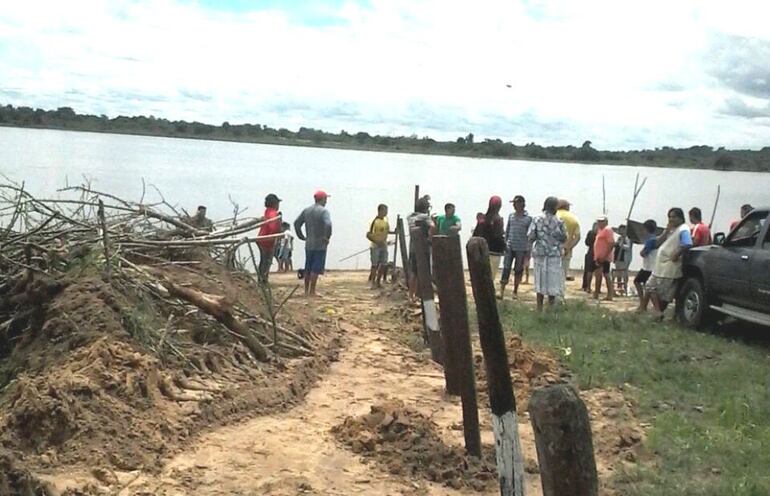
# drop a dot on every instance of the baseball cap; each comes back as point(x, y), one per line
point(601, 218)
point(272, 198)
point(517, 198)
point(320, 195)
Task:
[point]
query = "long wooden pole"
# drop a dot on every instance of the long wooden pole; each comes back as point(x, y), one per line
point(716, 203)
point(637, 190)
point(604, 197)
point(458, 362)
point(359, 252)
point(430, 325)
point(402, 246)
point(505, 425)
point(395, 252)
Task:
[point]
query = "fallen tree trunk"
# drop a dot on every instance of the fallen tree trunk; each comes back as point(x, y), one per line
point(220, 308)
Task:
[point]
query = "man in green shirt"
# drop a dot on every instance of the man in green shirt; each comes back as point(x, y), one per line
point(448, 224)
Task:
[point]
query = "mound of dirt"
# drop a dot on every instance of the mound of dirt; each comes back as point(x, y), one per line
point(98, 374)
point(404, 442)
point(530, 368)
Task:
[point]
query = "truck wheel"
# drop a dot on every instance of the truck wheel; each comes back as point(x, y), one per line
point(693, 308)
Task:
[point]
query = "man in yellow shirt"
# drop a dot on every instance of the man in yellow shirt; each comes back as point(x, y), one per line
point(572, 225)
point(378, 235)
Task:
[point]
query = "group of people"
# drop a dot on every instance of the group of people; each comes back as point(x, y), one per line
point(549, 239)
point(275, 240)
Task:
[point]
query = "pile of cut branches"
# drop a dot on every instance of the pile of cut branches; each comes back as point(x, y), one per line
point(45, 243)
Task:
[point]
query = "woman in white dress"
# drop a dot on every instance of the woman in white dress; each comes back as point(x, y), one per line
point(547, 234)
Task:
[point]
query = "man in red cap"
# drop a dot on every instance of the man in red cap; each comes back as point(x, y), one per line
point(318, 224)
point(270, 228)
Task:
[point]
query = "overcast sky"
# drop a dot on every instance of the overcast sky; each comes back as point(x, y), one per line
point(623, 74)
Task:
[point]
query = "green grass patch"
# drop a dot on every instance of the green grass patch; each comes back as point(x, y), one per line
point(707, 397)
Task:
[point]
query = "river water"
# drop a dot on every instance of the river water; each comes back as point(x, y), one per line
point(192, 172)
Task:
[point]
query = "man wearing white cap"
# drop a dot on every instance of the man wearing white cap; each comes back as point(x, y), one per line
point(318, 223)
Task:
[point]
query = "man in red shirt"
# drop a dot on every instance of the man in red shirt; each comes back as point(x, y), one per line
point(701, 234)
point(603, 249)
point(271, 227)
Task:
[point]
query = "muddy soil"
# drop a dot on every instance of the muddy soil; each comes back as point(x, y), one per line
point(88, 392)
point(295, 450)
point(404, 442)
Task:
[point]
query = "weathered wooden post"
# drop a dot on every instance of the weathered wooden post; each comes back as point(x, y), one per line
point(416, 195)
point(458, 354)
point(401, 235)
point(510, 464)
point(565, 449)
point(393, 277)
point(430, 325)
point(452, 309)
point(105, 240)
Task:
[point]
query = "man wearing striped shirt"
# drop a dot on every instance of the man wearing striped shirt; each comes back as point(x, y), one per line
point(517, 245)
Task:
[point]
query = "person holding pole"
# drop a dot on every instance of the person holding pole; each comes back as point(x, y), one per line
point(548, 234)
point(318, 224)
point(378, 235)
point(517, 247)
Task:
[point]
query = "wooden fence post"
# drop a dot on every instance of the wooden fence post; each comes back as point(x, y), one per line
point(510, 464)
point(563, 440)
point(401, 235)
point(430, 325)
point(458, 354)
point(452, 309)
point(105, 240)
point(393, 278)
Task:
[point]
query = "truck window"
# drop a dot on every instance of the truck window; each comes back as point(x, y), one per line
point(747, 233)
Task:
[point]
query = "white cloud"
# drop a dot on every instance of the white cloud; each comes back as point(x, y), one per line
point(620, 74)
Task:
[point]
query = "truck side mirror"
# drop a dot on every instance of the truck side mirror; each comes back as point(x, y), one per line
point(719, 239)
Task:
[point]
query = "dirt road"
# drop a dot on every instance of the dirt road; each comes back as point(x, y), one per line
point(295, 452)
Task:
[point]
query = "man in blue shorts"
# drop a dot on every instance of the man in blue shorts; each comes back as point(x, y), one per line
point(318, 224)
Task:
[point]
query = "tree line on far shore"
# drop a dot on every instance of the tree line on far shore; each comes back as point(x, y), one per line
point(695, 157)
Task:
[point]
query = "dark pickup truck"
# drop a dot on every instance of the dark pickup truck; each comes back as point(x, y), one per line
point(730, 277)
